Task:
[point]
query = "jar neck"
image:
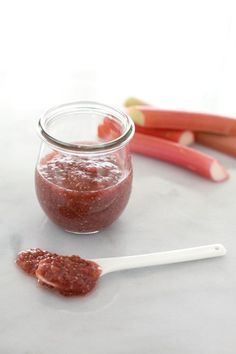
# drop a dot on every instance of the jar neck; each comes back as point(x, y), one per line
point(78, 109)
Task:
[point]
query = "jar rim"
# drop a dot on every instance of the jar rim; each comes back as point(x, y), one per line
point(114, 144)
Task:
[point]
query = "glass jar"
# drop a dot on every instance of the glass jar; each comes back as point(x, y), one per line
point(83, 175)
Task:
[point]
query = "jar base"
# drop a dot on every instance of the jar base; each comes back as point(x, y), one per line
point(82, 233)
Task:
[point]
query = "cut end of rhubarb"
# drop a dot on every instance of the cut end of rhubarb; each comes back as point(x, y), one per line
point(133, 101)
point(187, 138)
point(218, 172)
point(136, 115)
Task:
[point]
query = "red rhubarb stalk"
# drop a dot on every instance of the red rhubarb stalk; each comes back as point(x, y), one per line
point(147, 116)
point(178, 136)
point(103, 131)
point(183, 137)
point(180, 155)
point(168, 151)
point(112, 125)
point(225, 144)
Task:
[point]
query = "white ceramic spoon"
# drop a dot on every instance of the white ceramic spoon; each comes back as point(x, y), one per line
point(114, 264)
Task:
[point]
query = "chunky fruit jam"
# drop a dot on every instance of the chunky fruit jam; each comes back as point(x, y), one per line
point(69, 275)
point(81, 194)
point(29, 260)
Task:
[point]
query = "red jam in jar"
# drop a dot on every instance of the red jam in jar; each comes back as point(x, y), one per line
point(82, 195)
point(84, 188)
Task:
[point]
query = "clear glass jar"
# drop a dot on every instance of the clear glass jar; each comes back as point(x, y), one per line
point(83, 176)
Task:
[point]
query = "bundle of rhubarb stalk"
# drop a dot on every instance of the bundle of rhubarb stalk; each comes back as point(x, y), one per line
point(166, 135)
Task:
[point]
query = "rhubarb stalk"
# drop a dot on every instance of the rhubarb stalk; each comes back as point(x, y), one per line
point(225, 144)
point(168, 151)
point(147, 116)
point(133, 101)
point(180, 155)
point(183, 137)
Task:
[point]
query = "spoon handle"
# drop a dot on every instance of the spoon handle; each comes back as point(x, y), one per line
point(182, 255)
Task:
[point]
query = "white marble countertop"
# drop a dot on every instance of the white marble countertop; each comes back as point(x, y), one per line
point(182, 308)
point(177, 309)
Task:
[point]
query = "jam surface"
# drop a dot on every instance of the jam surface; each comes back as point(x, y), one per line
point(29, 260)
point(82, 195)
point(69, 275)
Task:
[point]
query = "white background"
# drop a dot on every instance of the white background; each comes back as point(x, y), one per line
point(174, 54)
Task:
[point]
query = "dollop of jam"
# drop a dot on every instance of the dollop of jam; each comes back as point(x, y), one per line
point(69, 275)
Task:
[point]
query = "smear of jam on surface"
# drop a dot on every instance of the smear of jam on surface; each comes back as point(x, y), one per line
point(29, 260)
point(70, 275)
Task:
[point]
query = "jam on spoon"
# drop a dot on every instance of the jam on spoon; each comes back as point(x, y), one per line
point(70, 275)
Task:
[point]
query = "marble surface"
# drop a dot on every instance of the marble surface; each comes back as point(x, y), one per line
point(181, 55)
point(184, 308)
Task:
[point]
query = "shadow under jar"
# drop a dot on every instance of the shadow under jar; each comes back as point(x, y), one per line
point(83, 182)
